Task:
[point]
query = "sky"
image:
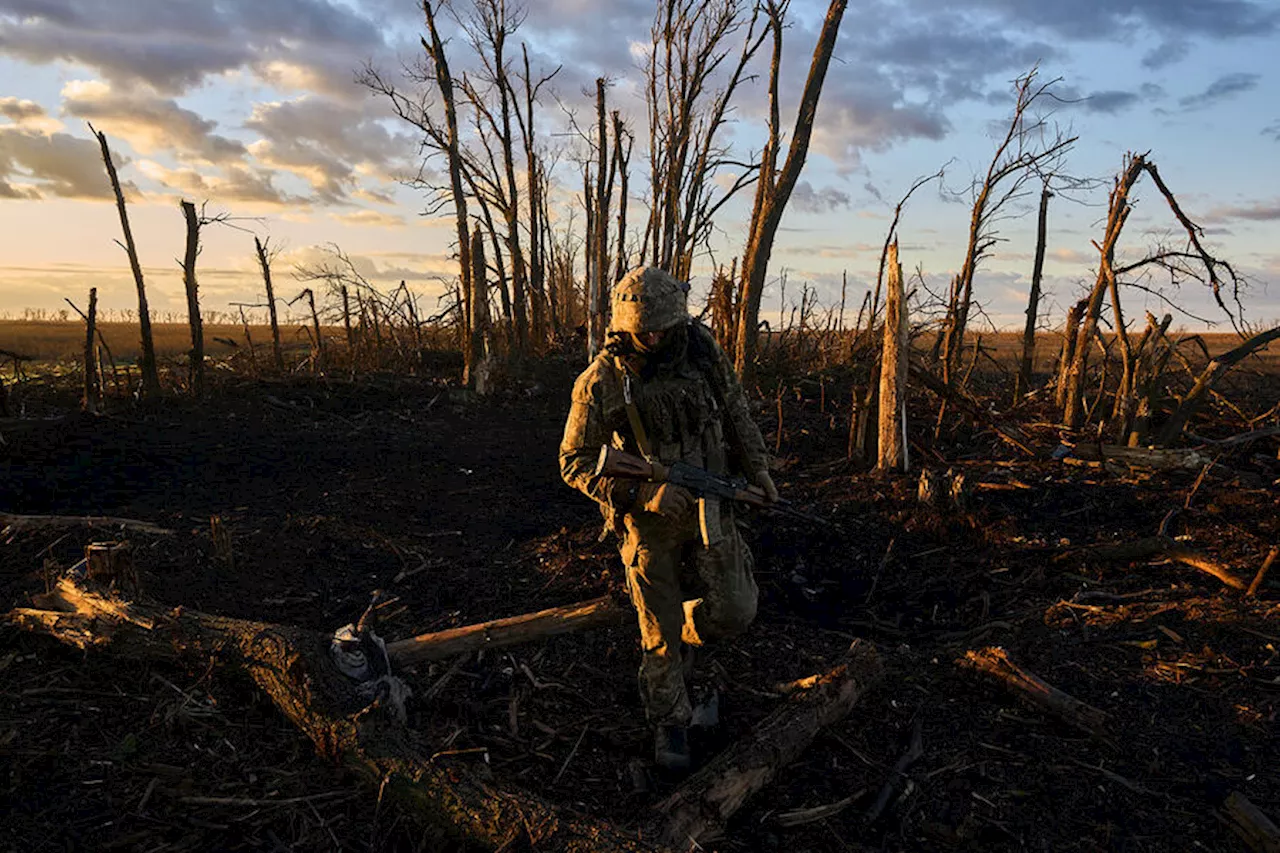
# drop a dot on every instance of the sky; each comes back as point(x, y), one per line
point(252, 108)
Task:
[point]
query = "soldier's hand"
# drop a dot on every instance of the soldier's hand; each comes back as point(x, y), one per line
point(764, 481)
point(673, 502)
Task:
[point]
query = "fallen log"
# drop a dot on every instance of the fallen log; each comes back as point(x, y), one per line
point(497, 633)
point(294, 668)
point(11, 523)
point(700, 808)
point(1249, 824)
point(1158, 546)
point(994, 662)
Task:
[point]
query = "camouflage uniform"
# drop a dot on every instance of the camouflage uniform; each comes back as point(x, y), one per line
point(693, 410)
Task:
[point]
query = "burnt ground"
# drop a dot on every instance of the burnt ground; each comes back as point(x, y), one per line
point(330, 490)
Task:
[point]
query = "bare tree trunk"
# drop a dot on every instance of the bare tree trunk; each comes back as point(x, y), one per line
point(444, 82)
point(893, 371)
point(265, 263)
point(600, 243)
point(1154, 361)
point(196, 375)
point(147, 361)
point(476, 376)
point(1070, 337)
point(1073, 400)
point(92, 402)
point(1023, 383)
point(772, 194)
point(622, 155)
point(318, 362)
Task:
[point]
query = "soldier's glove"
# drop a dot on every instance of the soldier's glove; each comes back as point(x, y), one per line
point(763, 480)
point(673, 502)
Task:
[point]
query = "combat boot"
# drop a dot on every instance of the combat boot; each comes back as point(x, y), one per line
point(671, 748)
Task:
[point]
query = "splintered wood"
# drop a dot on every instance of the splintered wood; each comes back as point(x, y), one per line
point(596, 613)
point(293, 667)
point(1248, 822)
point(703, 805)
point(994, 662)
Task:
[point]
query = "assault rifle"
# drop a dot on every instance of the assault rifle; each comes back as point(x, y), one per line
point(704, 484)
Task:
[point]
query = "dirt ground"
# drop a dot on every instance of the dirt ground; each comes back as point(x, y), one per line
point(330, 490)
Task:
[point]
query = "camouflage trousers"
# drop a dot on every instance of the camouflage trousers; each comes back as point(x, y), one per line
point(659, 556)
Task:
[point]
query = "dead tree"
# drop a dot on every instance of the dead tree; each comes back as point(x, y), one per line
point(476, 376)
point(264, 261)
point(690, 49)
point(418, 109)
point(147, 361)
point(773, 189)
point(1023, 382)
point(195, 375)
point(317, 356)
point(890, 236)
point(544, 321)
point(1024, 152)
point(1192, 262)
point(92, 402)
point(598, 303)
point(1204, 384)
point(893, 372)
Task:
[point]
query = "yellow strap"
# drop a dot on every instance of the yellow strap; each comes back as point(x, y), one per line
point(633, 415)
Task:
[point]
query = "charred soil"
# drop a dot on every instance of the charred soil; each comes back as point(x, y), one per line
point(329, 490)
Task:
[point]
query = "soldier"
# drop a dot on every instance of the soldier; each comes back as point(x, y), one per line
point(662, 388)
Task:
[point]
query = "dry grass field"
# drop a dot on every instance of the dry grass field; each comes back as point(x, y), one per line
point(58, 341)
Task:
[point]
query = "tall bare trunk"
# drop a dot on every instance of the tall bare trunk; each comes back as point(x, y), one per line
point(92, 402)
point(147, 362)
point(1070, 337)
point(600, 244)
point(477, 377)
point(444, 82)
point(893, 370)
point(772, 195)
point(1023, 383)
point(196, 375)
point(265, 263)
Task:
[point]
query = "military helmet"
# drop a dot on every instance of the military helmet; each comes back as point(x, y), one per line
point(649, 299)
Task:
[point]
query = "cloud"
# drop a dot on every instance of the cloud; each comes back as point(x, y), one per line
point(1223, 87)
point(20, 110)
point(805, 199)
point(148, 122)
point(1256, 212)
point(176, 46)
point(56, 164)
point(1167, 53)
point(1272, 130)
point(1097, 19)
point(328, 143)
point(235, 183)
point(371, 219)
point(1110, 102)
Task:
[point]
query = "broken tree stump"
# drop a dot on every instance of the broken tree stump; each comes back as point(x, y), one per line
point(294, 668)
point(1248, 822)
point(497, 633)
point(701, 807)
point(994, 662)
point(111, 563)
